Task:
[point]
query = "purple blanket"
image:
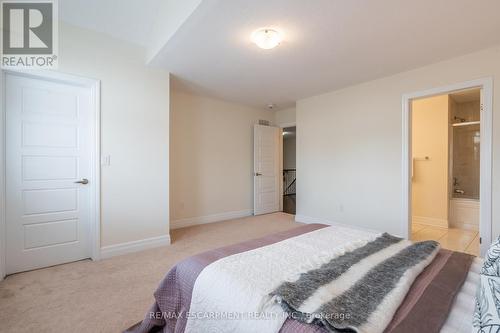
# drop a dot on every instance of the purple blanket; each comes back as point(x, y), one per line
point(424, 309)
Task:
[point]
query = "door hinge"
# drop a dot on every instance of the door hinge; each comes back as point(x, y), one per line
point(482, 107)
point(480, 240)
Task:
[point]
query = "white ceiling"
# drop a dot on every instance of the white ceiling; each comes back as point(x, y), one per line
point(329, 44)
point(129, 20)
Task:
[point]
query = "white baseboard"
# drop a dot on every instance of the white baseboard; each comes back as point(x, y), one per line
point(311, 220)
point(188, 222)
point(440, 223)
point(134, 246)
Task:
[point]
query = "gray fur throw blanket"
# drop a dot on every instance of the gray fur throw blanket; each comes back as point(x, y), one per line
point(359, 290)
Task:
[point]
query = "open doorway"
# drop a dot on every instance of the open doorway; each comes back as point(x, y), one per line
point(446, 170)
point(447, 138)
point(289, 170)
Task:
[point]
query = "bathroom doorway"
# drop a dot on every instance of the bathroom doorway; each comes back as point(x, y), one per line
point(446, 170)
point(448, 158)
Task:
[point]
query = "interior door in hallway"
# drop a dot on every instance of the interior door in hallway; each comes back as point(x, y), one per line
point(266, 169)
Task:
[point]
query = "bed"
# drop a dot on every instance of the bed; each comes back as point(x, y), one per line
point(233, 289)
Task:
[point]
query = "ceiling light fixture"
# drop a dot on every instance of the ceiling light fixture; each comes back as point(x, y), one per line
point(266, 38)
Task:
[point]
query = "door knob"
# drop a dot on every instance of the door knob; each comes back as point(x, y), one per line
point(258, 174)
point(84, 181)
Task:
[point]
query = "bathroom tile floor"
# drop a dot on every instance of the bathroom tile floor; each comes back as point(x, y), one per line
point(460, 240)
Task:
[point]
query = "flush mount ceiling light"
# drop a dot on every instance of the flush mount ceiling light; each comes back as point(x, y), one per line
point(266, 38)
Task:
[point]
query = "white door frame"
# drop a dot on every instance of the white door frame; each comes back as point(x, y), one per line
point(485, 225)
point(95, 202)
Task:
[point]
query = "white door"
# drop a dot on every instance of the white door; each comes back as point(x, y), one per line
point(48, 147)
point(266, 169)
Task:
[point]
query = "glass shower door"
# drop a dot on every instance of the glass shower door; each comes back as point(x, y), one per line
point(466, 159)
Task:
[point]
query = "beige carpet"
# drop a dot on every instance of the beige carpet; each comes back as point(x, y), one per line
point(112, 294)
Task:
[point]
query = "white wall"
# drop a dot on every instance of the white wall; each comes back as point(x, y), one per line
point(285, 117)
point(134, 131)
point(349, 144)
point(211, 158)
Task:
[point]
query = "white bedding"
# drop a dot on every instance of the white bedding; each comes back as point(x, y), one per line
point(228, 293)
point(236, 285)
